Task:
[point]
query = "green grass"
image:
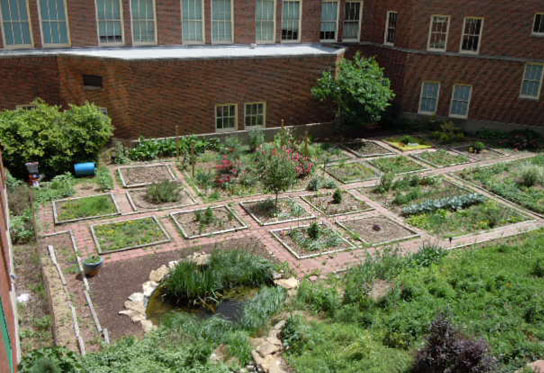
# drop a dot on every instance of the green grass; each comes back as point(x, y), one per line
point(351, 172)
point(128, 234)
point(504, 180)
point(442, 158)
point(86, 207)
point(492, 292)
point(397, 165)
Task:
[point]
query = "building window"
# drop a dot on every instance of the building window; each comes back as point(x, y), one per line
point(225, 117)
point(290, 24)
point(110, 24)
point(53, 20)
point(329, 20)
point(532, 81)
point(255, 114)
point(472, 34)
point(16, 23)
point(353, 11)
point(265, 21)
point(428, 101)
point(26, 107)
point(193, 21)
point(391, 27)
point(222, 21)
point(92, 82)
point(143, 21)
point(460, 101)
point(438, 33)
point(538, 27)
point(104, 110)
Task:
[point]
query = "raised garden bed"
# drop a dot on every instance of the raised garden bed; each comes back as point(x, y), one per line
point(326, 153)
point(264, 212)
point(377, 230)
point(352, 172)
point(324, 203)
point(129, 234)
point(520, 181)
point(483, 155)
point(366, 149)
point(139, 201)
point(442, 158)
point(207, 222)
point(407, 143)
point(83, 208)
point(143, 175)
point(300, 243)
point(397, 165)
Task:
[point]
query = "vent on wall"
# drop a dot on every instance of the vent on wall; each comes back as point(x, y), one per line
point(92, 82)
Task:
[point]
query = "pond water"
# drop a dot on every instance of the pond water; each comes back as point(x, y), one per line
point(230, 307)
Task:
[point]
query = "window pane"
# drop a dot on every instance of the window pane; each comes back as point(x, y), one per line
point(290, 20)
point(143, 21)
point(351, 20)
point(391, 27)
point(429, 97)
point(460, 100)
point(539, 24)
point(15, 22)
point(471, 34)
point(532, 80)
point(53, 17)
point(329, 13)
point(109, 21)
point(221, 21)
point(265, 20)
point(192, 21)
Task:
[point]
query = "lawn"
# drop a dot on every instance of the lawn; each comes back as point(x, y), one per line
point(351, 172)
point(520, 181)
point(396, 165)
point(128, 234)
point(442, 158)
point(86, 207)
point(495, 292)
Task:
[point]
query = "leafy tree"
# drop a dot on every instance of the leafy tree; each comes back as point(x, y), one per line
point(360, 91)
point(279, 175)
point(57, 139)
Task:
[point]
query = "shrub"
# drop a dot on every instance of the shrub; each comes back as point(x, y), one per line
point(205, 218)
point(120, 153)
point(428, 255)
point(55, 138)
point(226, 172)
point(163, 192)
point(255, 138)
point(477, 147)
point(279, 175)
point(60, 357)
point(448, 133)
point(451, 203)
point(204, 178)
point(337, 196)
point(104, 179)
point(45, 365)
point(386, 182)
point(447, 350)
point(314, 230)
point(529, 175)
point(21, 228)
point(408, 139)
point(319, 297)
point(296, 334)
point(538, 269)
point(60, 186)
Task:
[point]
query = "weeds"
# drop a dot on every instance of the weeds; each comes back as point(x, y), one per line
point(164, 192)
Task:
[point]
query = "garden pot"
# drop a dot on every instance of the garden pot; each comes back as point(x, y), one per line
point(92, 269)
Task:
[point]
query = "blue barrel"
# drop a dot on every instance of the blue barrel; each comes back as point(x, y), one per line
point(85, 169)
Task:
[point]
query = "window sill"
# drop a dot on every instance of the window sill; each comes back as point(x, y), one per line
point(91, 88)
point(530, 98)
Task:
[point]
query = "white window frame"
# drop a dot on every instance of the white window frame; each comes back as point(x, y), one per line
point(421, 98)
point(235, 128)
point(52, 45)
point(275, 27)
point(231, 41)
point(429, 48)
point(480, 36)
point(202, 21)
point(17, 46)
point(264, 114)
point(122, 19)
point(338, 3)
point(26, 106)
point(299, 36)
point(154, 42)
point(358, 39)
point(468, 103)
point(389, 12)
point(534, 24)
point(537, 97)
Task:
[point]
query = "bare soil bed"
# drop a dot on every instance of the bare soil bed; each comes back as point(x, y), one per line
point(365, 149)
point(264, 212)
point(141, 202)
point(377, 230)
point(199, 223)
point(324, 203)
point(352, 172)
point(484, 155)
point(136, 176)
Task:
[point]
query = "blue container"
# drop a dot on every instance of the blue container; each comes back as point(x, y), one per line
point(85, 169)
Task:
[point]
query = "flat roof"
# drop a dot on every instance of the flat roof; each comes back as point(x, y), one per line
point(186, 52)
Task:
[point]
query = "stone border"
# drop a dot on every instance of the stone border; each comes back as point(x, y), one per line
point(186, 236)
point(364, 156)
point(381, 243)
point(125, 185)
point(305, 199)
point(59, 222)
point(99, 249)
point(424, 168)
point(418, 157)
point(377, 172)
point(290, 220)
point(137, 209)
point(275, 234)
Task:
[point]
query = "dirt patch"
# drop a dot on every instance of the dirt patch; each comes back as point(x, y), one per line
point(366, 149)
point(145, 175)
point(352, 172)
point(265, 212)
point(207, 222)
point(116, 281)
point(484, 155)
point(377, 230)
point(325, 204)
point(140, 201)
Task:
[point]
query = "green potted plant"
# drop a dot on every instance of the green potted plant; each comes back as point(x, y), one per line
point(92, 265)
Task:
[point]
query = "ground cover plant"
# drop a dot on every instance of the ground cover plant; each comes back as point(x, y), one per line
point(351, 172)
point(442, 158)
point(366, 148)
point(128, 234)
point(86, 207)
point(408, 142)
point(520, 181)
point(397, 165)
point(207, 221)
point(344, 203)
point(359, 331)
point(266, 212)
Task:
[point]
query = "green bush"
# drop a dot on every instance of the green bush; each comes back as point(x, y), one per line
point(55, 138)
point(104, 179)
point(386, 182)
point(337, 196)
point(60, 186)
point(163, 192)
point(529, 175)
point(255, 138)
point(65, 360)
point(314, 230)
point(448, 133)
point(21, 228)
